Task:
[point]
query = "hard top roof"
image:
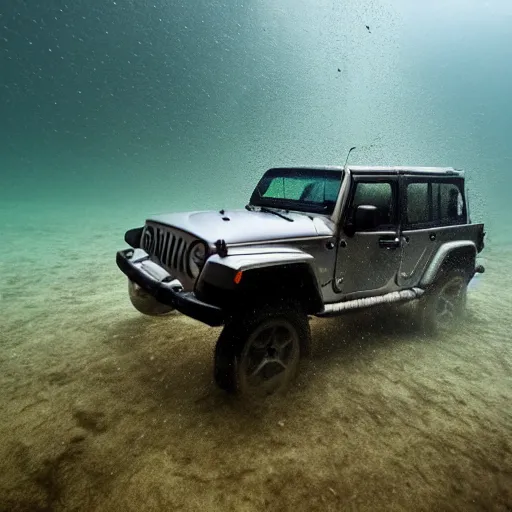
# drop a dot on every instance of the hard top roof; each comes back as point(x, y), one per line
point(378, 169)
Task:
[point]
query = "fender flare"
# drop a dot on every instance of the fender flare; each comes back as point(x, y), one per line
point(441, 256)
point(269, 273)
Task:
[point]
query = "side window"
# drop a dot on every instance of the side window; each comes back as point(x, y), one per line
point(434, 203)
point(448, 203)
point(379, 194)
point(417, 203)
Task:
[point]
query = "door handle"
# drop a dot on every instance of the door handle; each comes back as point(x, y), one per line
point(389, 243)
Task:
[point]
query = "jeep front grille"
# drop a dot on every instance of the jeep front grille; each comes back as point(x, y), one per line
point(169, 248)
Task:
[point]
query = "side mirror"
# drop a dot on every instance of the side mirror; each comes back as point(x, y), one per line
point(365, 218)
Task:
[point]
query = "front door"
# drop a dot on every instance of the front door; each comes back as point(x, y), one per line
point(369, 259)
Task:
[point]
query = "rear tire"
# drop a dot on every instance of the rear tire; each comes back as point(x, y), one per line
point(259, 350)
point(145, 303)
point(443, 305)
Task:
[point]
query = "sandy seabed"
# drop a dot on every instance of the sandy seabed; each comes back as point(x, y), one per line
point(103, 409)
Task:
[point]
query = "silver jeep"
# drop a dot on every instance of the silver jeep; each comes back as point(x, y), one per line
point(313, 241)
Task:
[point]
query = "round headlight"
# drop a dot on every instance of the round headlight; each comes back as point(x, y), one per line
point(196, 258)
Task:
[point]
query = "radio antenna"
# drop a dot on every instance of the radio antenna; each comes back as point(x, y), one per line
point(349, 151)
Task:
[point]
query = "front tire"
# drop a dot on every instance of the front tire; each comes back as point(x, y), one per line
point(146, 304)
point(444, 304)
point(259, 351)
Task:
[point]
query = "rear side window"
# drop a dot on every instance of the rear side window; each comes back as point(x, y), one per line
point(434, 202)
point(417, 203)
point(448, 202)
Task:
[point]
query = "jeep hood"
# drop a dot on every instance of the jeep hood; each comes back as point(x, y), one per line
point(242, 226)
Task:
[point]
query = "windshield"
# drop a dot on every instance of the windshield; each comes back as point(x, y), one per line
point(298, 189)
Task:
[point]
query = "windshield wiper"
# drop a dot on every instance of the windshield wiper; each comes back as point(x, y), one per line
point(268, 210)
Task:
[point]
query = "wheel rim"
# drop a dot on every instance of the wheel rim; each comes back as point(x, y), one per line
point(269, 358)
point(449, 302)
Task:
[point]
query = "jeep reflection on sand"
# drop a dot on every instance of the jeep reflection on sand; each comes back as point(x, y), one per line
point(313, 241)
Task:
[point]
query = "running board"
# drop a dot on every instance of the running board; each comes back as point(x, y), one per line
point(403, 295)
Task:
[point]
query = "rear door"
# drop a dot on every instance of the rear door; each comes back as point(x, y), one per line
point(430, 207)
point(368, 261)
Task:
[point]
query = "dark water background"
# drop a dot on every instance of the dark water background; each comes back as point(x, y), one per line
point(159, 105)
point(112, 110)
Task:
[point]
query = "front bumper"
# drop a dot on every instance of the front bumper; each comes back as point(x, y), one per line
point(159, 285)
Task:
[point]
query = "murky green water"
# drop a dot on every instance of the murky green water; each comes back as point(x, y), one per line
point(113, 110)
